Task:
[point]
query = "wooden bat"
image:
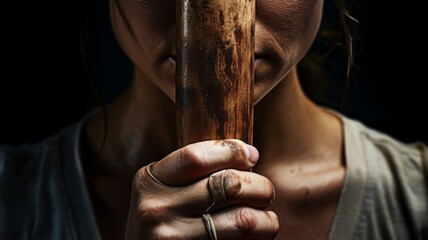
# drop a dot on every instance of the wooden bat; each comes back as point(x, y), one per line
point(215, 70)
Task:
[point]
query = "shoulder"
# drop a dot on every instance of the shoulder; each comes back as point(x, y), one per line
point(379, 148)
point(19, 160)
point(395, 183)
point(32, 186)
point(24, 168)
point(28, 160)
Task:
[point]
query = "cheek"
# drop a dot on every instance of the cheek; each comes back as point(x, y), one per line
point(143, 28)
point(287, 28)
point(293, 22)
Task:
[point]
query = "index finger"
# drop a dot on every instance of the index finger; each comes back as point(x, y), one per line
point(196, 161)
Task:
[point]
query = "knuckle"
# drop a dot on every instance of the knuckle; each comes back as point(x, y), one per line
point(246, 220)
point(189, 158)
point(138, 181)
point(166, 232)
point(152, 211)
point(232, 184)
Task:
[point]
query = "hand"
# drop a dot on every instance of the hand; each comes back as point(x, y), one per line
point(173, 207)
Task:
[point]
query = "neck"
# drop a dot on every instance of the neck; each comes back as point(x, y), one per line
point(289, 128)
point(140, 128)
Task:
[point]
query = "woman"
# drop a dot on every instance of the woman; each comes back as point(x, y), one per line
point(315, 174)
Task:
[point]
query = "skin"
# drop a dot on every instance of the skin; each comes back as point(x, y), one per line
point(297, 159)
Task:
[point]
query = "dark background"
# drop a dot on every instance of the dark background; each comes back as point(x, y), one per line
point(44, 85)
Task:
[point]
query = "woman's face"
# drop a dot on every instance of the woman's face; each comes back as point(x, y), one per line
point(284, 32)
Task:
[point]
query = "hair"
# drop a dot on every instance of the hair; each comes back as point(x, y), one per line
point(331, 56)
point(87, 60)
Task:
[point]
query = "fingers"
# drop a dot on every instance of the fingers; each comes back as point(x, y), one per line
point(247, 188)
point(237, 223)
point(246, 223)
point(169, 196)
point(240, 188)
point(199, 160)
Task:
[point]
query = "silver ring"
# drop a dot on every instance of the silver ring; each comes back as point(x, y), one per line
point(216, 187)
point(150, 174)
point(209, 224)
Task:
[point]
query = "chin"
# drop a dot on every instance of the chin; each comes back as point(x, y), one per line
point(267, 78)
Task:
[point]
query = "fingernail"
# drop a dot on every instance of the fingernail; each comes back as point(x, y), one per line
point(252, 154)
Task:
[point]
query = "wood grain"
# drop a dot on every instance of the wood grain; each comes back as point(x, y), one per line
point(215, 70)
